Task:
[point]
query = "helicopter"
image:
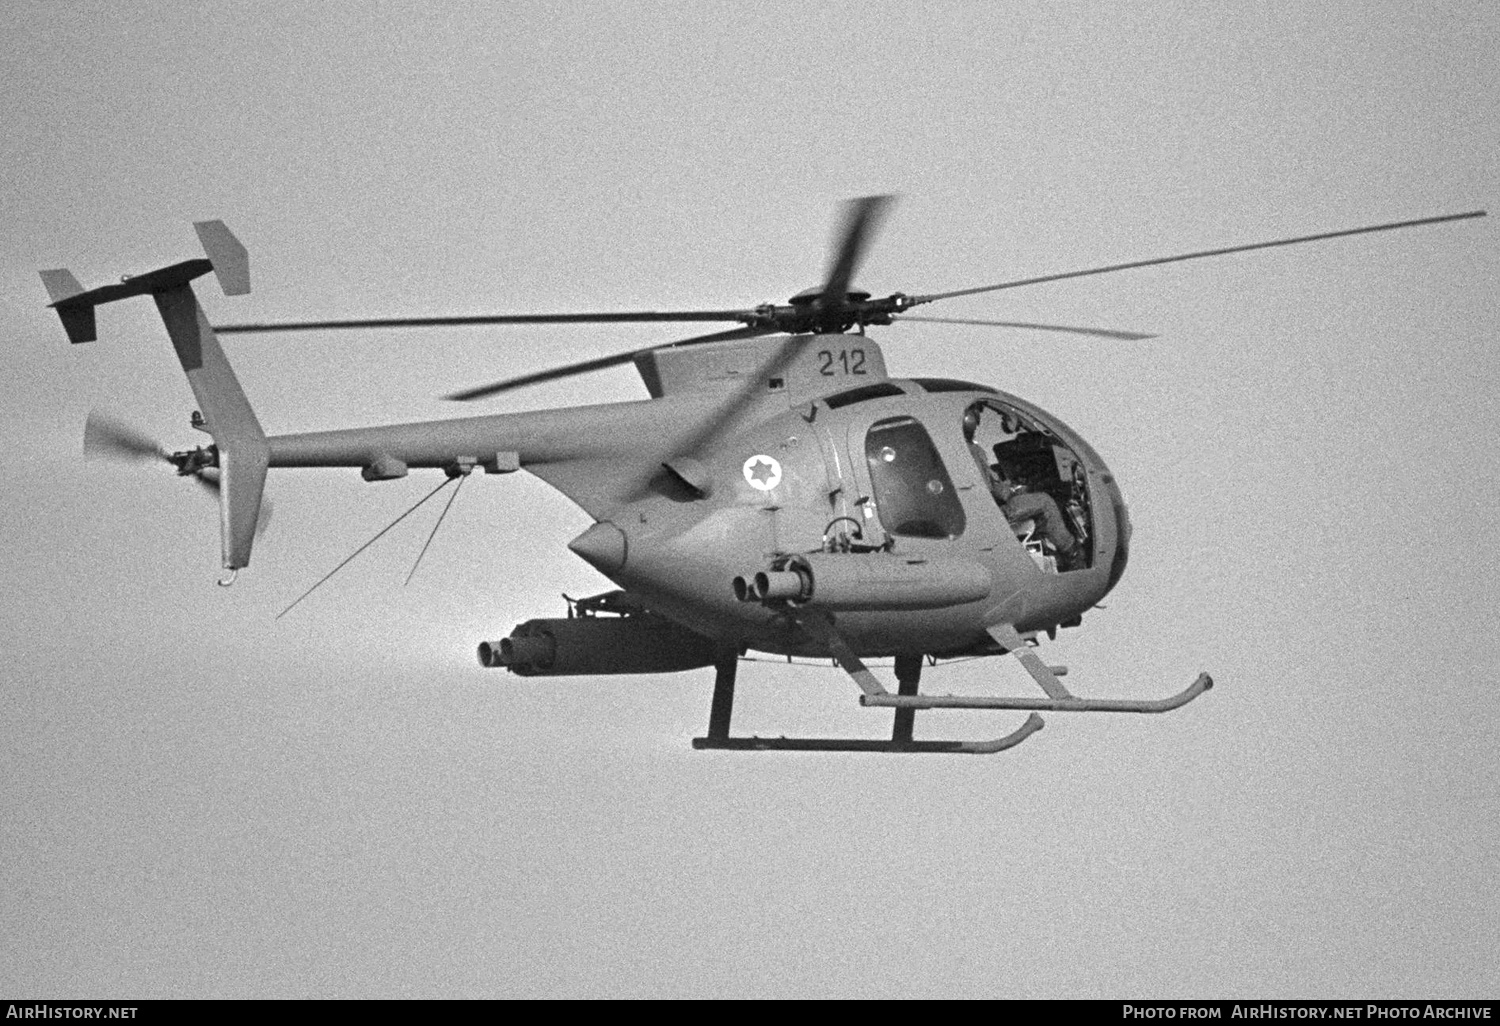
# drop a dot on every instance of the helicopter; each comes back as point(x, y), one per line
point(779, 491)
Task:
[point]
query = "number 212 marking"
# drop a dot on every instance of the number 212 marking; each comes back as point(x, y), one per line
point(851, 361)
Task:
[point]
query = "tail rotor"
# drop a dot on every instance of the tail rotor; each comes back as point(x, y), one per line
point(108, 439)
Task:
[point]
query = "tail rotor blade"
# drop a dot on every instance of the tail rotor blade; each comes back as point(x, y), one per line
point(105, 438)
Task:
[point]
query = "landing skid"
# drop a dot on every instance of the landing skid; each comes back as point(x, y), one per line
point(833, 744)
point(907, 701)
point(1070, 704)
point(908, 675)
point(1059, 698)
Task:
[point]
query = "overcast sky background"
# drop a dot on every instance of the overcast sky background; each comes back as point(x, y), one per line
point(198, 800)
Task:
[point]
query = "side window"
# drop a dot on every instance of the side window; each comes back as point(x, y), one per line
point(913, 493)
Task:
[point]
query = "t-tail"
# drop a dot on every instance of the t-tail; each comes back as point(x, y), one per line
point(243, 454)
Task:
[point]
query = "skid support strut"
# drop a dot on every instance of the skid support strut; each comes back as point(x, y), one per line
point(908, 677)
point(725, 668)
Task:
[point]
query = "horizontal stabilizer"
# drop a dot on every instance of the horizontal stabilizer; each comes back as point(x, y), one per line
point(77, 307)
point(228, 259)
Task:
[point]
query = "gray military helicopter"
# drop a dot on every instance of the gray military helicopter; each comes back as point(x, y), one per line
point(779, 491)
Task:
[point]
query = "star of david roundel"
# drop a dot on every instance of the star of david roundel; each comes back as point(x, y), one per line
point(763, 472)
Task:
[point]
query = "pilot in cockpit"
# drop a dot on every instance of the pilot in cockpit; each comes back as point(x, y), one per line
point(1019, 503)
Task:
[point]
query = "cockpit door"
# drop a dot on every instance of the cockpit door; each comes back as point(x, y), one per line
point(906, 490)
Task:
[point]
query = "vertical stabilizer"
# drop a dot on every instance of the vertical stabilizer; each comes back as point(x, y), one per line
point(61, 284)
point(77, 320)
point(230, 258)
point(243, 453)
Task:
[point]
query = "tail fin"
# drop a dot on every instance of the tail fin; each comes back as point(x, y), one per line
point(230, 258)
point(243, 452)
point(61, 284)
point(78, 320)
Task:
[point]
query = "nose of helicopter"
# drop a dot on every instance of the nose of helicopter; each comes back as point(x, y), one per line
point(1121, 516)
point(603, 546)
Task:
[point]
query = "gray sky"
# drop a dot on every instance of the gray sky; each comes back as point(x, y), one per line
point(197, 800)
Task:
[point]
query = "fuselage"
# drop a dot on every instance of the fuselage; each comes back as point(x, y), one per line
point(886, 477)
point(793, 449)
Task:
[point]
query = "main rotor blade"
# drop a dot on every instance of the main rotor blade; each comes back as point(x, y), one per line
point(585, 366)
point(915, 300)
point(627, 317)
point(1129, 336)
point(106, 438)
point(861, 219)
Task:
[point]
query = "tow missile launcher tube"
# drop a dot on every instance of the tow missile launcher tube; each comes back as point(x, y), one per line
point(598, 645)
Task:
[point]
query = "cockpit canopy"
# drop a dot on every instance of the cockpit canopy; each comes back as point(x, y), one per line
point(1038, 481)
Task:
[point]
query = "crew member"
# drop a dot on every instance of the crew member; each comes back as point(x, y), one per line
point(1020, 504)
